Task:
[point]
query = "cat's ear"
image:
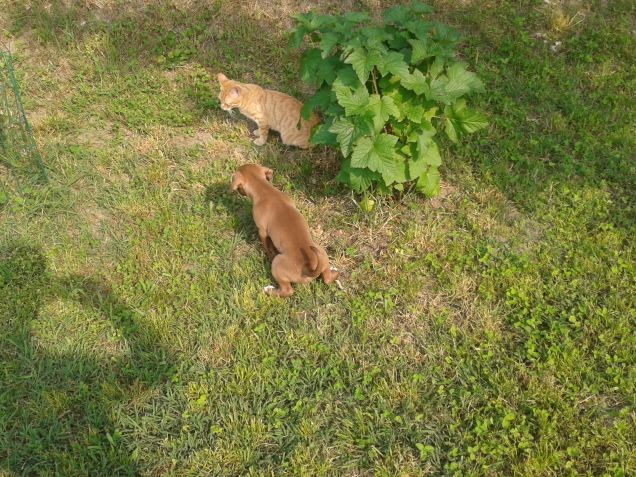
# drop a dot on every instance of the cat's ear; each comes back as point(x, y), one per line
point(221, 77)
point(234, 93)
point(269, 174)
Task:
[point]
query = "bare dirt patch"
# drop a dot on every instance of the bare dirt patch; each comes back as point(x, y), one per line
point(198, 138)
point(99, 222)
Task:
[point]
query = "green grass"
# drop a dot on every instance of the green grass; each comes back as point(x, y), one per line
point(490, 331)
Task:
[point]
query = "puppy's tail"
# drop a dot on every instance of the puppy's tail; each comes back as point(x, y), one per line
point(313, 261)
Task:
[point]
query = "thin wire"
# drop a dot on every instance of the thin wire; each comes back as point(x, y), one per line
point(10, 83)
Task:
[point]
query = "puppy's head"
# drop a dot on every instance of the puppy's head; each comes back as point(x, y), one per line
point(230, 93)
point(238, 183)
point(267, 173)
point(247, 173)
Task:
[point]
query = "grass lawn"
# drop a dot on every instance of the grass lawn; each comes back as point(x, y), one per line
point(489, 331)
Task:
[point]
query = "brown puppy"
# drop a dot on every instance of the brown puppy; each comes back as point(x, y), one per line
point(283, 232)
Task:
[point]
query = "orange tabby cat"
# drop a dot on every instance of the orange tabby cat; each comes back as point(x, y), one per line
point(269, 109)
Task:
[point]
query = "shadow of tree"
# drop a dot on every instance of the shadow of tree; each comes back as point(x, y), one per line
point(56, 406)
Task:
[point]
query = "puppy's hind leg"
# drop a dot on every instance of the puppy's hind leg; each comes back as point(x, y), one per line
point(280, 267)
point(268, 245)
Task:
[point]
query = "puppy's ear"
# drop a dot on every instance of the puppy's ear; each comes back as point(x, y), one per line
point(221, 77)
point(269, 174)
point(238, 182)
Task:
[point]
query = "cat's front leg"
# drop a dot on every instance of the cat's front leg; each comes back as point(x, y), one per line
point(261, 133)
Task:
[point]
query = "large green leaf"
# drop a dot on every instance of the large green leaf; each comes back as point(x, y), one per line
point(428, 183)
point(347, 77)
point(358, 179)
point(296, 36)
point(461, 81)
point(311, 21)
point(430, 155)
point(436, 90)
point(348, 130)
point(401, 172)
point(322, 135)
point(363, 62)
point(354, 102)
point(327, 42)
point(399, 40)
point(396, 15)
point(425, 140)
point(320, 100)
point(346, 23)
point(436, 68)
point(358, 60)
point(393, 63)
point(445, 35)
point(415, 81)
point(450, 130)
point(414, 112)
point(344, 130)
point(382, 108)
point(314, 69)
point(472, 121)
point(379, 155)
point(375, 37)
point(420, 50)
point(426, 153)
point(307, 23)
point(402, 14)
point(416, 168)
point(461, 120)
point(421, 29)
point(309, 63)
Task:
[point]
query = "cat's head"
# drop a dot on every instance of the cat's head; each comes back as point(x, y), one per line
point(230, 94)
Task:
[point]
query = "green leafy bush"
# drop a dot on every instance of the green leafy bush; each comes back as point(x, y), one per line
point(385, 88)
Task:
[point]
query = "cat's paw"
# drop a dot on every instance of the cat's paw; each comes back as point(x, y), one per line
point(259, 141)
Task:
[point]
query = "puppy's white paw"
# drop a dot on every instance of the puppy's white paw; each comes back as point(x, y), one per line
point(333, 269)
point(268, 289)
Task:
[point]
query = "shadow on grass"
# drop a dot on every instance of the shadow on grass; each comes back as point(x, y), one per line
point(312, 172)
point(234, 205)
point(56, 406)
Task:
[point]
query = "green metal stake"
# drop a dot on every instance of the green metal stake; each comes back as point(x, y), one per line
point(26, 132)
